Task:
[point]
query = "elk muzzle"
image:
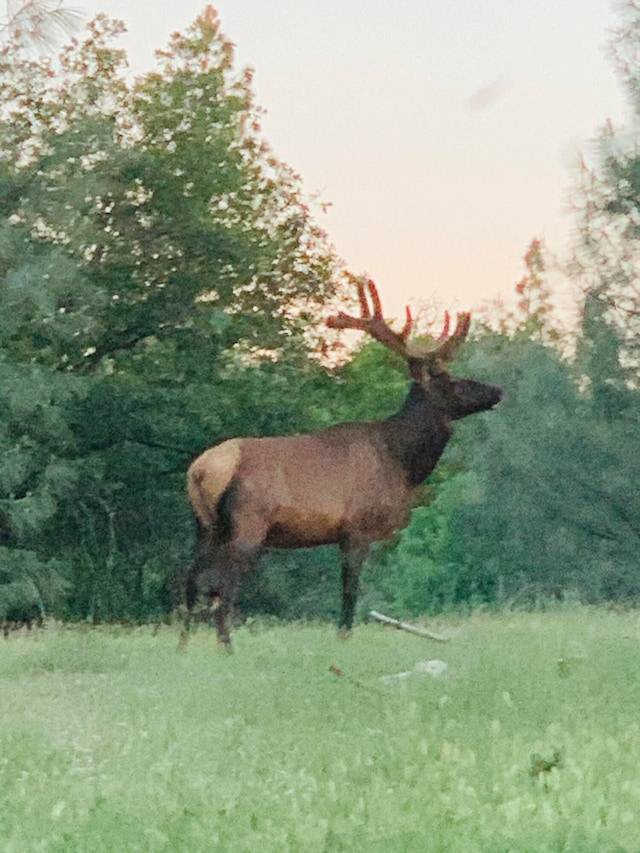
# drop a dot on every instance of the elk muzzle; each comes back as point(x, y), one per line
point(471, 397)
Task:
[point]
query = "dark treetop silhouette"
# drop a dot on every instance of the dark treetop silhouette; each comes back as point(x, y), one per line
point(350, 484)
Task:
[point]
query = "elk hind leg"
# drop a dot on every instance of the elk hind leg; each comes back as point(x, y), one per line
point(231, 557)
point(204, 549)
point(234, 561)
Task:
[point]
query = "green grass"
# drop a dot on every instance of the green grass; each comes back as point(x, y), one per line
point(112, 740)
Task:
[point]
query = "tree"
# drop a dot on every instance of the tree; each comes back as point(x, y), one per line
point(535, 314)
point(607, 210)
point(153, 211)
point(554, 508)
point(159, 272)
point(37, 23)
point(35, 479)
point(534, 501)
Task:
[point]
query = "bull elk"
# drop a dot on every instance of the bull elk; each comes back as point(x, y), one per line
point(348, 485)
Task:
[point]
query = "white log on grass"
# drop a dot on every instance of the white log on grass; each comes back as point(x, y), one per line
point(406, 626)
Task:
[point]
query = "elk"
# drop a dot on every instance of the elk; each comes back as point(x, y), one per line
point(348, 485)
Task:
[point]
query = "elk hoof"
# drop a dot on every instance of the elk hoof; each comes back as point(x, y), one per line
point(224, 644)
point(344, 633)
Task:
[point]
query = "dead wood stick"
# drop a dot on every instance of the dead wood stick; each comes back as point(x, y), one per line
point(405, 626)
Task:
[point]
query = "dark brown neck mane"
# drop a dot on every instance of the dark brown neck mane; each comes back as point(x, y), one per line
point(417, 435)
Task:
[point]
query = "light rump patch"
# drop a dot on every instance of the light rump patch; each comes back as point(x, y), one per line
point(209, 475)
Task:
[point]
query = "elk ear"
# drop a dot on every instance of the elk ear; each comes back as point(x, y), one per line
point(422, 369)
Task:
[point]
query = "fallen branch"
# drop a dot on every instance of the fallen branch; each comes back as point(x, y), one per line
point(405, 626)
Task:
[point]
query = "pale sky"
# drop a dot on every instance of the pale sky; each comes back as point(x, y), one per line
point(443, 134)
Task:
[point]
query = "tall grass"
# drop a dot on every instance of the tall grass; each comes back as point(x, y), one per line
point(112, 740)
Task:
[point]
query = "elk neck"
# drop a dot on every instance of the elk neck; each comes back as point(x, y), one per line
point(417, 435)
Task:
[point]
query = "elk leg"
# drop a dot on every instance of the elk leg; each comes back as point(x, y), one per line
point(221, 565)
point(222, 618)
point(191, 595)
point(235, 560)
point(352, 560)
point(204, 549)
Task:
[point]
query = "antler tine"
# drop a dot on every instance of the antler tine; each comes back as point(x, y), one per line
point(365, 310)
point(373, 323)
point(446, 345)
point(371, 320)
point(463, 324)
point(444, 334)
point(375, 298)
point(408, 325)
point(448, 348)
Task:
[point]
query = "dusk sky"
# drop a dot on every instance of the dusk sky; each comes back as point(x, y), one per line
point(444, 135)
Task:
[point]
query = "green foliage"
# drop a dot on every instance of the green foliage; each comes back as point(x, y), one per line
point(413, 575)
point(158, 269)
point(113, 740)
point(160, 277)
point(302, 584)
point(372, 384)
point(607, 212)
point(545, 504)
point(28, 586)
point(548, 471)
point(36, 479)
point(147, 212)
point(534, 317)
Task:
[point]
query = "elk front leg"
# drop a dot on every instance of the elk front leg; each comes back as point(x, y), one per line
point(353, 556)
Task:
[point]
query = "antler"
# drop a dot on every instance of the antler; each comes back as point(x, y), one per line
point(372, 322)
point(449, 345)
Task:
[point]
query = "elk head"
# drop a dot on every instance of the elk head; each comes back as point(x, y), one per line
point(427, 365)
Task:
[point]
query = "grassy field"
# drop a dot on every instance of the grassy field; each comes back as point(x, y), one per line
point(112, 740)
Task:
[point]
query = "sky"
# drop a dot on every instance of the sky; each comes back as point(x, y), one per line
point(440, 135)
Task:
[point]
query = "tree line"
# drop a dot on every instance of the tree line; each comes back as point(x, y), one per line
point(162, 284)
